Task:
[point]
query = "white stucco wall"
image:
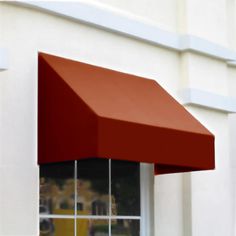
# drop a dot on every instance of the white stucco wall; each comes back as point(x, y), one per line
point(208, 19)
point(232, 131)
point(162, 13)
point(198, 204)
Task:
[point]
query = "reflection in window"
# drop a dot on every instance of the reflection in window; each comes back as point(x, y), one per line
point(122, 227)
point(92, 227)
point(56, 227)
point(125, 188)
point(93, 187)
point(100, 196)
point(57, 188)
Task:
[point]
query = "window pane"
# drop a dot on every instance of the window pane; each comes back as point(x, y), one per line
point(89, 227)
point(125, 188)
point(56, 227)
point(93, 187)
point(125, 228)
point(57, 188)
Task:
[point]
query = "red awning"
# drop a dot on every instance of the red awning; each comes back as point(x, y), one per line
point(85, 111)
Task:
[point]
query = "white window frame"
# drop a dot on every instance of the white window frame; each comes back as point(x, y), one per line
point(147, 199)
point(146, 203)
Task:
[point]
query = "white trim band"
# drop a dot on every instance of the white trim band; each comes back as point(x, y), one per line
point(203, 46)
point(111, 19)
point(3, 59)
point(119, 22)
point(190, 96)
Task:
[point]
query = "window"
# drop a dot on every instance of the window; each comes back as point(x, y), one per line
point(93, 197)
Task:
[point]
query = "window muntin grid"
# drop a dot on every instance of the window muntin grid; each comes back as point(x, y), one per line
point(104, 209)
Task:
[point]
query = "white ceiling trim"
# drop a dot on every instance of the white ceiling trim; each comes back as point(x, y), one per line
point(120, 22)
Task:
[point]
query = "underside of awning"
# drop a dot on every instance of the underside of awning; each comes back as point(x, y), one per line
point(85, 111)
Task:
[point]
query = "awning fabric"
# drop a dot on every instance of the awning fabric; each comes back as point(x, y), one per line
point(85, 111)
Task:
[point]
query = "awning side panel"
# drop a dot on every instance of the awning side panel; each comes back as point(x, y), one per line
point(67, 128)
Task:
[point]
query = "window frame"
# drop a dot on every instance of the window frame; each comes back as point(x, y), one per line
point(146, 217)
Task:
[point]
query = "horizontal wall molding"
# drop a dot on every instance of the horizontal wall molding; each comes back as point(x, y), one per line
point(110, 19)
point(196, 44)
point(191, 96)
point(3, 59)
point(113, 20)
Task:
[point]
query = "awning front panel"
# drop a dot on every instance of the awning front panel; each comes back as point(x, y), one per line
point(87, 111)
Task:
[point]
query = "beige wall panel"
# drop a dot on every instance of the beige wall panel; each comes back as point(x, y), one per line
point(207, 19)
point(162, 13)
point(204, 73)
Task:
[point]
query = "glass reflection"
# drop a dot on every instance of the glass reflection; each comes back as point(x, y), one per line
point(56, 227)
point(89, 227)
point(125, 228)
point(125, 188)
point(93, 187)
point(57, 188)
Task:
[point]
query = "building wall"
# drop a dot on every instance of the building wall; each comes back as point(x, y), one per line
point(192, 204)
